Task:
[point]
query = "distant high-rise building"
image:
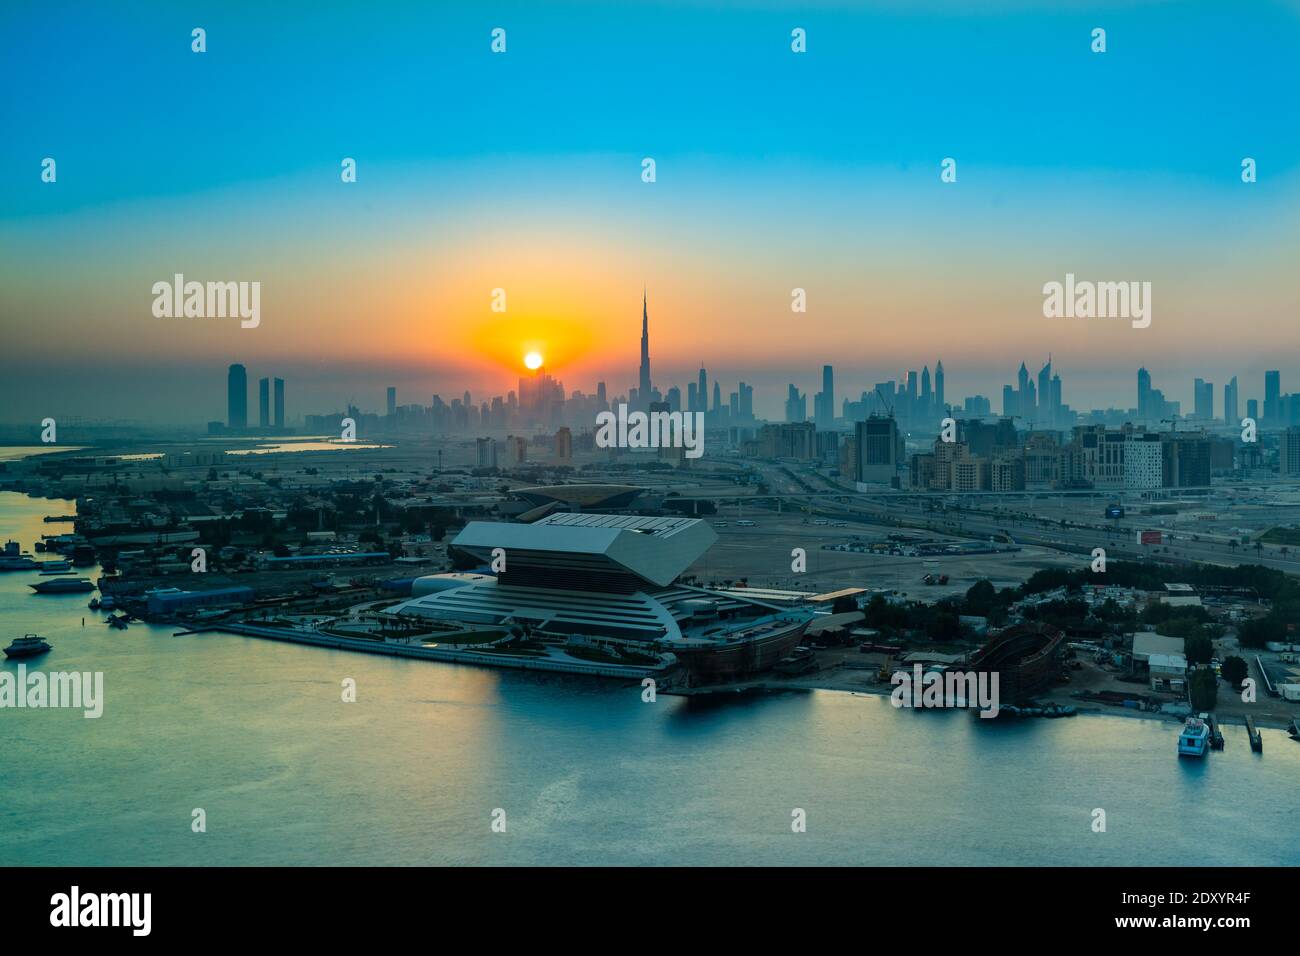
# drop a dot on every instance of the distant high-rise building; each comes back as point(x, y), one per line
point(1289, 453)
point(264, 402)
point(1230, 410)
point(717, 397)
point(564, 445)
point(1203, 399)
point(702, 391)
point(643, 382)
point(1272, 396)
point(487, 452)
point(1045, 393)
point(392, 401)
point(279, 403)
point(878, 446)
point(796, 406)
point(824, 401)
point(237, 398)
point(692, 397)
point(1252, 409)
point(939, 403)
point(1144, 395)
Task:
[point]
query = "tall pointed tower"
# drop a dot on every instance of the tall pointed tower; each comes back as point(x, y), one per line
point(643, 385)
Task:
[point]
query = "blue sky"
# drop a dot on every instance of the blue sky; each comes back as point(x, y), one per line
point(823, 165)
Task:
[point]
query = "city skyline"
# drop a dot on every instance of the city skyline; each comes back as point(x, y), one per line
point(762, 188)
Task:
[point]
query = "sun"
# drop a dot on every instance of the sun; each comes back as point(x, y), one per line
point(533, 360)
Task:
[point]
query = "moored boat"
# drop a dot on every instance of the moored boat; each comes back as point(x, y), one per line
point(27, 646)
point(60, 585)
point(731, 654)
point(1194, 741)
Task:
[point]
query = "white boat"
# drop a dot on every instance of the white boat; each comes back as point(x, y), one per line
point(1194, 741)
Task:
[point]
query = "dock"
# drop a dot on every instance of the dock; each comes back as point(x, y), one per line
point(1256, 741)
point(1216, 735)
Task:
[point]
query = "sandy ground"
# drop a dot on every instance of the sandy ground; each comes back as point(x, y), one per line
point(762, 555)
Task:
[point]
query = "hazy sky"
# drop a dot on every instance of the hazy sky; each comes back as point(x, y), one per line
point(522, 171)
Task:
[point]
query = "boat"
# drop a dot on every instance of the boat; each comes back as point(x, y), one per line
point(725, 654)
point(1294, 729)
point(18, 562)
point(63, 586)
point(54, 567)
point(1194, 741)
point(27, 646)
point(94, 604)
point(118, 621)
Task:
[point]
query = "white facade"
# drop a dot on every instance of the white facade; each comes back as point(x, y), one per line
point(1143, 464)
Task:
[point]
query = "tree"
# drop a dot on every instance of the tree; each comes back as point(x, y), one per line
point(1234, 670)
point(1198, 649)
point(980, 598)
point(1203, 688)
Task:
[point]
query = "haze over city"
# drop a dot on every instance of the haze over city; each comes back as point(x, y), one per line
point(476, 173)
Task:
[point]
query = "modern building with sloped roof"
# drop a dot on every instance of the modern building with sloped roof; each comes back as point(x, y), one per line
point(598, 577)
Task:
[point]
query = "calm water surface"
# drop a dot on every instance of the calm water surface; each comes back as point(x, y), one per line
point(256, 734)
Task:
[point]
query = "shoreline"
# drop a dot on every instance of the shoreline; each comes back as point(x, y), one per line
point(1082, 708)
point(764, 685)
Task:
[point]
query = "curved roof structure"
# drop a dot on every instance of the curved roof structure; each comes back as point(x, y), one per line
point(591, 551)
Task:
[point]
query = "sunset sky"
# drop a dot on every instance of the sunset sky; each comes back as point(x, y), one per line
point(522, 171)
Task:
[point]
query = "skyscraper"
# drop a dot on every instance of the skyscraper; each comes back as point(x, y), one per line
point(824, 401)
point(1203, 399)
point(702, 391)
point(939, 404)
point(264, 402)
point(643, 383)
point(279, 404)
point(1272, 396)
point(237, 398)
point(1230, 410)
point(1144, 394)
point(392, 401)
point(1045, 392)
